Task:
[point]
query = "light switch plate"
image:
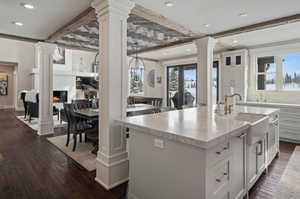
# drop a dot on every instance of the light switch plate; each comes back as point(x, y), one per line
point(159, 143)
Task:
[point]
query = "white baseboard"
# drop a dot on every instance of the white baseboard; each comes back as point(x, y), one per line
point(111, 186)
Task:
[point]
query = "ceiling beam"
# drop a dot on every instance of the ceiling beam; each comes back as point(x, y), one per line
point(259, 26)
point(84, 17)
point(160, 19)
point(19, 38)
point(73, 47)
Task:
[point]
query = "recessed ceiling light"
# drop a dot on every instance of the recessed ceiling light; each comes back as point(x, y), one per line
point(243, 14)
point(207, 25)
point(188, 50)
point(235, 41)
point(28, 6)
point(18, 23)
point(169, 3)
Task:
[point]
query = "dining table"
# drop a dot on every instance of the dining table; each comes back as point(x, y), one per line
point(92, 114)
point(132, 110)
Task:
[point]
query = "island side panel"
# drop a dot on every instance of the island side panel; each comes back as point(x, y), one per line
point(174, 171)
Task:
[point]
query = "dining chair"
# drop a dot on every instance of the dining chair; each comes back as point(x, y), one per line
point(76, 126)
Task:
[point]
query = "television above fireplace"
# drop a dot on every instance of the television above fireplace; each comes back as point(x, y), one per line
point(60, 96)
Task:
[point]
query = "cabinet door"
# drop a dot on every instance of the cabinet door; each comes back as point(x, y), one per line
point(271, 143)
point(251, 162)
point(238, 167)
point(260, 156)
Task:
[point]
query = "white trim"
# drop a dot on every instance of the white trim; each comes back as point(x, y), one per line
point(113, 185)
point(116, 163)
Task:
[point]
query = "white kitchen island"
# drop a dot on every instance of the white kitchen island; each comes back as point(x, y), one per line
point(197, 154)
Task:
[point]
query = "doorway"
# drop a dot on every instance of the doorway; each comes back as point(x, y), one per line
point(7, 86)
point(216, 84)
point(182, 86)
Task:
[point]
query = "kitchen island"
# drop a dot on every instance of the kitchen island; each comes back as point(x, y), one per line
point(198, 154)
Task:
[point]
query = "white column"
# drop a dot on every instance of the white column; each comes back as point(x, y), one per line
point(45, 64)
point(205, 47)
point(112, 161)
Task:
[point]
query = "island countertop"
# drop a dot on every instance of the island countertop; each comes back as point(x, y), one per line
point(199, 126)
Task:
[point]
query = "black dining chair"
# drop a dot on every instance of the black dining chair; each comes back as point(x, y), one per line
point(78, 126)
point(75, 125)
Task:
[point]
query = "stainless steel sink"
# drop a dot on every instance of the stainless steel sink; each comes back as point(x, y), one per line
point(259, 126)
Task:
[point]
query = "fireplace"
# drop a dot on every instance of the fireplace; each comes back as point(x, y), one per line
point(60, 96)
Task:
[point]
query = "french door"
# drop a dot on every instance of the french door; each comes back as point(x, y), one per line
point(182, 85)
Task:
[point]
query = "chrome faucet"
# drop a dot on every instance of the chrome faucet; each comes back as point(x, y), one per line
point(227, 107)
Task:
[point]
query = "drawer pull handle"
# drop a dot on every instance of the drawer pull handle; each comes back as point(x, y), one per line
point(220, 179)
point(220, 152)
point(260, 148)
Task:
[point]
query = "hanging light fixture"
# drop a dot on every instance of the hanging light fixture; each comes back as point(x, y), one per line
point(136, 67)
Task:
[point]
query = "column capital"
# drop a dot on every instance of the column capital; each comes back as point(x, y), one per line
point(49, 47)
point(205, 41)
point(103, 7)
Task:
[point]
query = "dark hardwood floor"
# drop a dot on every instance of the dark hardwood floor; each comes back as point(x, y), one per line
point(32, 168)
point(266, 186)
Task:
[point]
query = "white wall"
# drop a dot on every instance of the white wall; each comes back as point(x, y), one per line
point(77, 63)
point(158, 90)
point(22, 53)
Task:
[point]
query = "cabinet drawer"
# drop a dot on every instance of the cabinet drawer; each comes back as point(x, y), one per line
point(218, 179)
point(218, 153)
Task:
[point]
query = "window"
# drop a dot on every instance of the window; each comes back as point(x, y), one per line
point(280, 72)
point(266, 73)
point(291, 71)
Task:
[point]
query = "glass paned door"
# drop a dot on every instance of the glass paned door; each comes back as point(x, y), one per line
point(190, 84)
point(215, 79)
point(182, 85)
point(173, 86)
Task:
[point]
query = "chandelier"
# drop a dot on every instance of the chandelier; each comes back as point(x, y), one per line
point(136, 67)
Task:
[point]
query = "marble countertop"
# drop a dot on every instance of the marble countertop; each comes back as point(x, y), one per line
point(269, 104)
point(199, 126)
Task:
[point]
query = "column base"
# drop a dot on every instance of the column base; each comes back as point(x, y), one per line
point(46, 127)
point(112, 174)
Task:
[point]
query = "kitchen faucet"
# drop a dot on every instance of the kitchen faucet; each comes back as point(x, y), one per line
point(227, 108)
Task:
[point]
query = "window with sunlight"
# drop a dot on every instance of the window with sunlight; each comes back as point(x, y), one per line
point(279, 73)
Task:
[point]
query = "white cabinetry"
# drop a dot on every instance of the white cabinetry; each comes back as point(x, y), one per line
point(238, 166)
point(234, 72)
point(256, 161)
point(272, 140)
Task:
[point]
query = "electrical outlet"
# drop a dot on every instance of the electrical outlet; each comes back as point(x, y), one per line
point(159, 143)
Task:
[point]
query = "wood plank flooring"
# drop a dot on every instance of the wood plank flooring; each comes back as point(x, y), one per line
point(32, 168)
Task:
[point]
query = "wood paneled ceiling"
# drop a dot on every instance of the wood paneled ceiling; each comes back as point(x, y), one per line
point(143, 32)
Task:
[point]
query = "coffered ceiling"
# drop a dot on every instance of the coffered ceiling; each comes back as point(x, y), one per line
point(142, 34)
